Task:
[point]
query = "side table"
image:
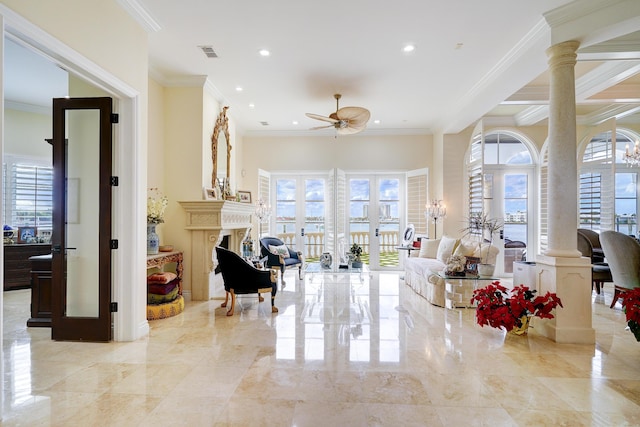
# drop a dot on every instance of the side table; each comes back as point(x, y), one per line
point(459, 289)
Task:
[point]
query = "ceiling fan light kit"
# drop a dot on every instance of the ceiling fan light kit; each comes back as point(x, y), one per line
point(346, 120)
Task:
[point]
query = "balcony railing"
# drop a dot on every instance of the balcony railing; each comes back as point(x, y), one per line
point(314, 242)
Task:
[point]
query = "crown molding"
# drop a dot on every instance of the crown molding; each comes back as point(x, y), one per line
point(532, 115)
point(28, 108)
point(140, 14)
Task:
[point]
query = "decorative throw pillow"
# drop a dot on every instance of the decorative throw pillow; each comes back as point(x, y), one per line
point(465, 248)
point(161, 299)
point(161, 278)
point(485, 258)
point(445, 248)
point(429, 248)
point(279, 250)
point(162, 289)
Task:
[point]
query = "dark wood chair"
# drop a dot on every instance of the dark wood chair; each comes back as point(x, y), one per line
point(241, 278)
point(589, 245)
point(293, 260)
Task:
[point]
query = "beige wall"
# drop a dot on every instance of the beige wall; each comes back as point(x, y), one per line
point(350, 153)
point(25, 134)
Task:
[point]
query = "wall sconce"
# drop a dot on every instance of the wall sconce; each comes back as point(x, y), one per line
point(435, 211)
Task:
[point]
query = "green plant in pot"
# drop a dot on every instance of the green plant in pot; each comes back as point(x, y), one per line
point(356, 252)
point(484, 229)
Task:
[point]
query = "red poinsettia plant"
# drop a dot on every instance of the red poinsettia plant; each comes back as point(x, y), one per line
point(499, 310)
point(631, 305)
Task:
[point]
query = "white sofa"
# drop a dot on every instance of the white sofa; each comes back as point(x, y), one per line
point(420, 269)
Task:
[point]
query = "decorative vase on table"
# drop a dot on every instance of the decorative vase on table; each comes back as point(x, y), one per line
point(153, 241)
point(486, 270)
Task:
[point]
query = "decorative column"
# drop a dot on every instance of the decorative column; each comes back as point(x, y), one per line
point(562, 269)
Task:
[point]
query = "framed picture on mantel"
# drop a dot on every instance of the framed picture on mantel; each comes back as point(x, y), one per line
point(244, 196)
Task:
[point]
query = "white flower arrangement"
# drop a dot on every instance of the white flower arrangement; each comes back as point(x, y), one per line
point(156, 205)
point(456, 264)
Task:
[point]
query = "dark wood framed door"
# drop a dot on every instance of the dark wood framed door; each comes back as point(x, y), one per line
point(81, 237)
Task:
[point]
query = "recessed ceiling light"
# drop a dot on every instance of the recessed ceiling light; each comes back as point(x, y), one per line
point(238, 88)
point(264, 52)
point(376, 122)
point(252, 105)
point(295, 122)
point(408, 48)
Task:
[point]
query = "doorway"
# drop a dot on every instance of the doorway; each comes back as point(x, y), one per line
point(129, 261)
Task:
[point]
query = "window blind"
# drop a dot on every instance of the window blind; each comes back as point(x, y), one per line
point(32, 195)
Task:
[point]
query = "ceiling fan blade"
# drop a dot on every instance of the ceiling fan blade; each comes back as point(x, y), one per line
point(321, 127)
point(355, 116)
point(349, 130)
point(323, 118)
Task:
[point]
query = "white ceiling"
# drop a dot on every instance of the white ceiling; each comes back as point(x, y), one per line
point(472, 59)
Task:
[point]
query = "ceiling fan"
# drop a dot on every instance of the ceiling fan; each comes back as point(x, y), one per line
point(346, 120)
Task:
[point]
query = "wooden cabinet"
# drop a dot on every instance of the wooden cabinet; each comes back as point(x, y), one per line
point(41, 292)
point(17, 267)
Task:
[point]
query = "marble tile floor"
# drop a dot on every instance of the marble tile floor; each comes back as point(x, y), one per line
point(342, 351)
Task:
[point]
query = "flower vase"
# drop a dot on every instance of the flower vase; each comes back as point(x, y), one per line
point(153, 241)
point(486, 270)
point(523, 328)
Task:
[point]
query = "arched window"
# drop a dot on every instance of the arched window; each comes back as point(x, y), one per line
point(501, 175)
point(609, 194)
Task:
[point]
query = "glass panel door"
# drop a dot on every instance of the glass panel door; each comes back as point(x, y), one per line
point(285, 218)
point(300, 216)
point(375, 218)
point(314, 218)
point(388, 222)
point(516, 214)
point(360, 226)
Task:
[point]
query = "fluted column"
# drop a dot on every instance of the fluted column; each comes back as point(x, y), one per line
point(563, 181)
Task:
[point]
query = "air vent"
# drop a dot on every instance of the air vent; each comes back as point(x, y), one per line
point(208, 50)
point(264, 123)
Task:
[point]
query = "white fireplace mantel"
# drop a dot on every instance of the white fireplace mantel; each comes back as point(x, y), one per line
point(208, 222)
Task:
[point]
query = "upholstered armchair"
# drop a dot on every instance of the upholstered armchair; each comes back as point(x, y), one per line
point(278, 255)
point(589, 245)
point(241, 278)
point(623, 254)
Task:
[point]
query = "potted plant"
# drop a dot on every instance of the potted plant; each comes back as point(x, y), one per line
point(499, 310)
point(631, 305)
point(356, 252)
point(484, 228)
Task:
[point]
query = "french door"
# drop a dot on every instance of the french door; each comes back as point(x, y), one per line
point(375, 217)
point(81, 237)
point(301, 206)
point(316, 213)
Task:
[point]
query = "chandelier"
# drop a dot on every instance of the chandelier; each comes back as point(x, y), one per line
point(263, 211)
point(632, 158)
point(435, 211)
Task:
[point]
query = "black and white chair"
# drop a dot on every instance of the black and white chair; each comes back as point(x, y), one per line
point(278, 255)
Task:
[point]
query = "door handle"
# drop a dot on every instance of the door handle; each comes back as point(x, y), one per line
point(57, 249)
point(302, 232)
point(377, 232)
